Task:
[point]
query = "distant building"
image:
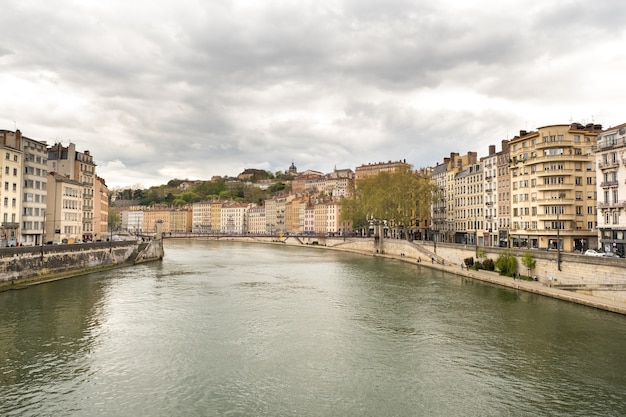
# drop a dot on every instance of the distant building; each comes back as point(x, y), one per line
point(375, 169)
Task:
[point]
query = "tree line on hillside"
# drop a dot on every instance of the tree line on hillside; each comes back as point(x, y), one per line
point(223, 189)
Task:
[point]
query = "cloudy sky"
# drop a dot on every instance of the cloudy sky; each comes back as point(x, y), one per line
point(167, 89)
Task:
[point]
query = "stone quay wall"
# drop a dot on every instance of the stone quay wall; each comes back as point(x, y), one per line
point(25, 265)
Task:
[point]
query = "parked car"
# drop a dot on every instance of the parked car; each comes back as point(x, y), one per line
point(591, 252)
point(611, 255)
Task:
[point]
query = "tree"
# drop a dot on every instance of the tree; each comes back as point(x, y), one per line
point(399, 197)
point(507, 264)
point(114, 218)
point(529, 261)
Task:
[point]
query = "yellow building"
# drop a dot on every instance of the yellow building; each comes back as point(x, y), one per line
point(150, 218)
point(553, 188)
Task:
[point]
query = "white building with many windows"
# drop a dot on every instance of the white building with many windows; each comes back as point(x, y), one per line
point(610, 154)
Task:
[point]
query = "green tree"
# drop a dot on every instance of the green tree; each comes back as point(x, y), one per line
point(507, 264)
point(399, 197)
point(529, 261)
point(114, 218)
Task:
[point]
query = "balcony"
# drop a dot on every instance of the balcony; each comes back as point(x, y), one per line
point(555, 201)
point(554, 172)
point(609, 205)
point(562, 186)
point(605, 184)
point(608, 164)
point(10, 225)
point(553, 217)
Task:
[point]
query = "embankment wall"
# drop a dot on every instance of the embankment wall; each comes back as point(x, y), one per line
point(23, 265)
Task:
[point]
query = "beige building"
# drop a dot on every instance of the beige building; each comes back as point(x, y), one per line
point(201, 217)
point(152, 216)
point(180, 220)
point(294, 215)
point(553, 188)
point(101, 210)
point(256, 220)
point(11, 166)
point(64, 209)
point(375, 169)
point(503, 190)
point(456, 216)
point(80, 167)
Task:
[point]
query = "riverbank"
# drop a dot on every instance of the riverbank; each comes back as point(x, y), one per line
point(534, 287)
point(25, 266)
point(411, 252)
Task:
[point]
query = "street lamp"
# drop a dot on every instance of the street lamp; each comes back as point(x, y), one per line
point(558, 234)
point(558, 240)
point(476, 235)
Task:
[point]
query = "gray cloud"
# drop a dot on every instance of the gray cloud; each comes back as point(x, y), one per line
point(189, 89)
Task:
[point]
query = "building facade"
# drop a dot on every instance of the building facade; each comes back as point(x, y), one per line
point(553, 188)
point(610, 156)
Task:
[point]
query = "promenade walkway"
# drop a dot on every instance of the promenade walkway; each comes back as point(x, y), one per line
point(535, 287)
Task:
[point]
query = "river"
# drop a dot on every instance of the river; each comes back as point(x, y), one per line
point(236, 329)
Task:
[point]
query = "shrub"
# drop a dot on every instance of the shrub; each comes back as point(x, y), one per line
point(488, 264)
point(469, 261)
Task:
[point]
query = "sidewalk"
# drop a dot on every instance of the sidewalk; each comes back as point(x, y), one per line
point(535, 287)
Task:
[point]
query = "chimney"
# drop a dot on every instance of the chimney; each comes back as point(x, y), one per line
point(492, 150)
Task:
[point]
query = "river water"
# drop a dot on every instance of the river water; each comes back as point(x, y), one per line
point(234, 329)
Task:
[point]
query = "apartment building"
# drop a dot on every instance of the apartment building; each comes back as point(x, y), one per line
point(503, 190)
point(438, 205)
point(338, 183)
point(80, 167)
point(132, 221)
point(101, 209)
point(475, 204)
point(256, 220)
point(553, 188)
point(490, 197)
point(216, 215)
point(456, 209)
point(294, 215)
point(364, 170)
point(234, 218)
point(611, 179)
point(201, 217)
point(11, 166)
point(180, 220)
point(64, 209)
point(154, 215)
point(275, 213)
